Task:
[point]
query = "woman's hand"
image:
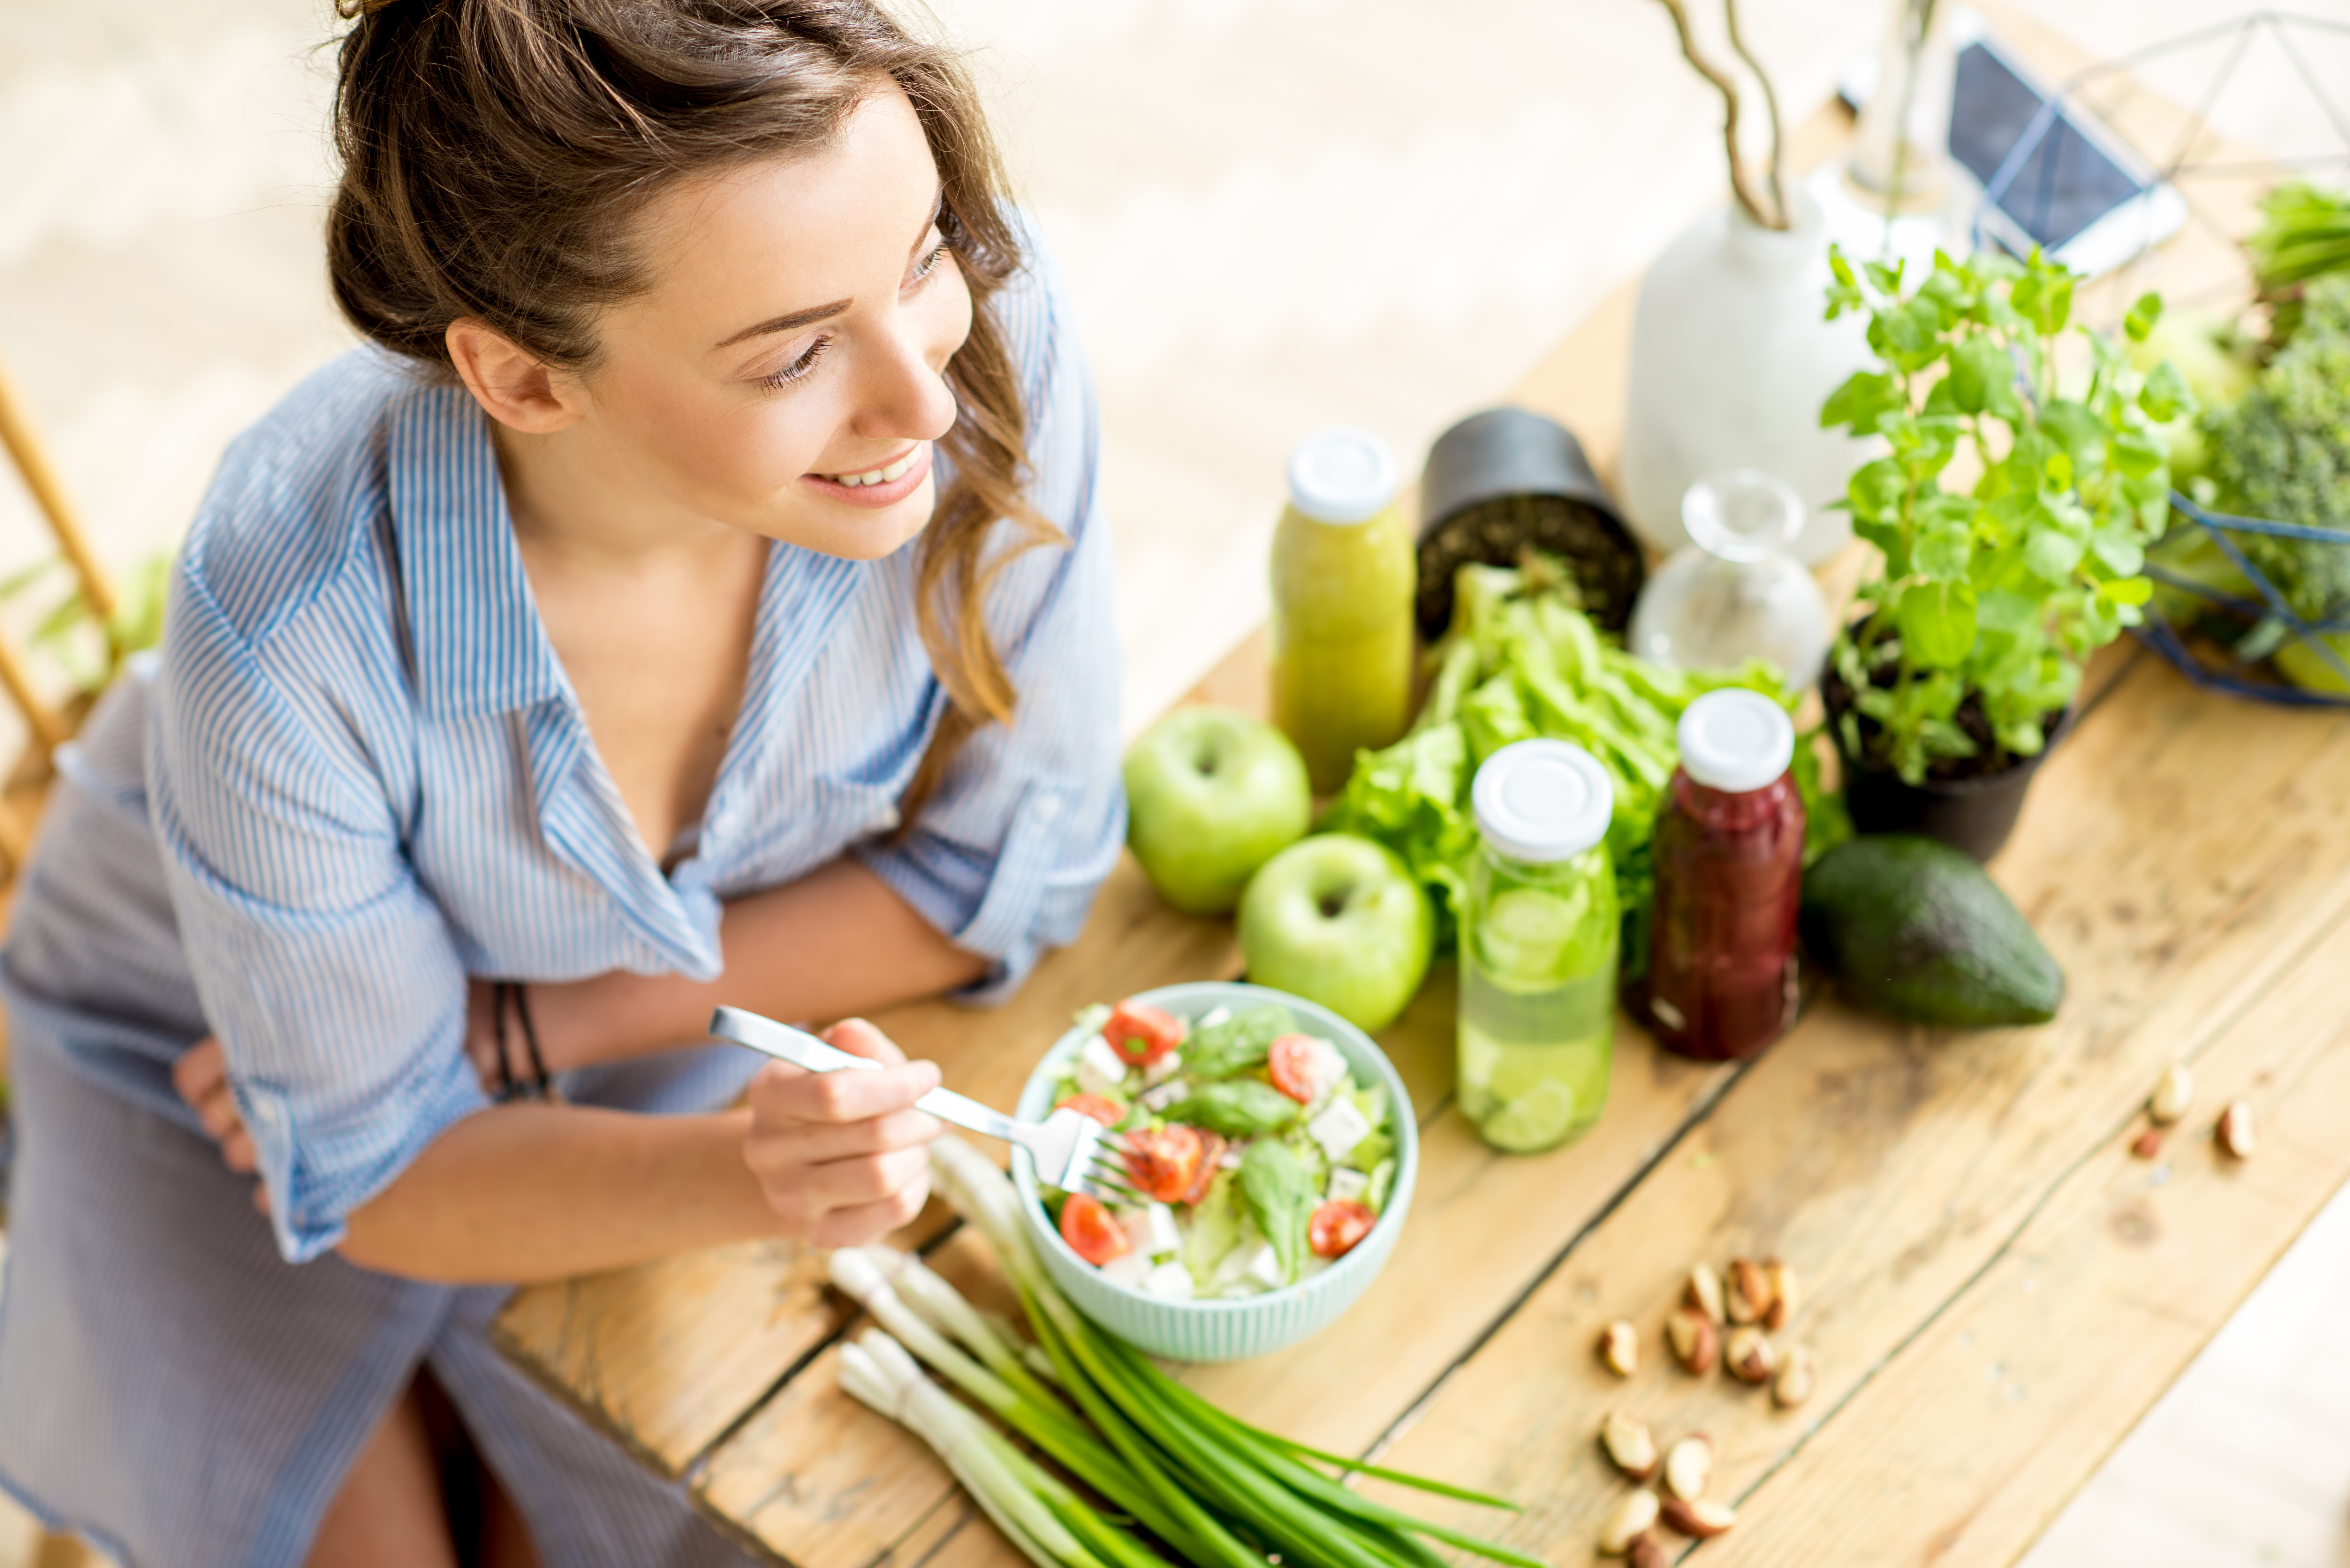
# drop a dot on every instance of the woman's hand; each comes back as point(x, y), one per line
point(843, 1157)
point(201, 1074)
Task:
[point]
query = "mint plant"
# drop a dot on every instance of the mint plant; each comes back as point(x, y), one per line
point(1995, 591)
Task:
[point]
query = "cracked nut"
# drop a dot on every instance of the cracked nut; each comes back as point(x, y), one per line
point(1619, 1347)
point(1749, 1295)
point(1699, 1521)
point(1695, 1343)
point(2174, 1092)
point(1793, 1384)
point(2235, 1129)
point(1648, 1552)
point(1749, 1355)
point(1780, 1279)
point(2148, 1144)
point(1703, 1291)
point(1628, 1445)
point(1689, 1467)
point(1632, 1518)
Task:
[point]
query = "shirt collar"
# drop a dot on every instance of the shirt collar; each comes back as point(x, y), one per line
point(480, 646)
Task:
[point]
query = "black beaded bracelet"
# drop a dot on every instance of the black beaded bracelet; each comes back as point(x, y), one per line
point(540, 1085)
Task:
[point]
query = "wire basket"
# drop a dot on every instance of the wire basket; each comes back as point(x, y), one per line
point(2207, 662)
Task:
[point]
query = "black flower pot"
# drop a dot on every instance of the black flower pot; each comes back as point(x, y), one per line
point(1974, 814)
point(1508, 478)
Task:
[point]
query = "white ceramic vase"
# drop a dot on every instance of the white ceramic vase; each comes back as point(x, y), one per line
point(1730, 361)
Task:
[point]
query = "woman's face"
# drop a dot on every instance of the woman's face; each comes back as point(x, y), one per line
point(783, 373)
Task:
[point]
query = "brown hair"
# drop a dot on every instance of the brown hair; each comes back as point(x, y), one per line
point(496, 152)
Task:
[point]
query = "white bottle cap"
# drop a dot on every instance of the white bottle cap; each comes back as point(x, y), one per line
point(1342, 476)
point(1542, 800)
point(1735, 740)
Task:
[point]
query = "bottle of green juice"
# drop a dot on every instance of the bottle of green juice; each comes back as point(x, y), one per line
point(1538, 947)
point(1342, 578)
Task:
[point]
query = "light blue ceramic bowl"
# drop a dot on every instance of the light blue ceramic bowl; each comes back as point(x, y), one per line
point(1254, 1325)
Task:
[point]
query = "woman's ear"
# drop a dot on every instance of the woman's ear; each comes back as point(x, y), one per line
point(513, 387)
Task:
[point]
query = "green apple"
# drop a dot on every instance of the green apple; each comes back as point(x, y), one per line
point(1211, 794)
point(1339, 920)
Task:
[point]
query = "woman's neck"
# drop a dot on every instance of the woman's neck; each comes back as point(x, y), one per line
point(576, 497)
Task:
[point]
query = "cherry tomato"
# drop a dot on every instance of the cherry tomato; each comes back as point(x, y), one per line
point(1291, 1062)
point(1090, 1232)
point(1335, 1229)
point(1141, 1034)
point(1163, 1162)
point(1101, 1107)
point(1211, 1154)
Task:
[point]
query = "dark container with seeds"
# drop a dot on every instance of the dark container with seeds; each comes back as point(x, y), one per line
point(1507, 480)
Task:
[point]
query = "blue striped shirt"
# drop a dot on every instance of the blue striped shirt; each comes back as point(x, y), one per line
point(358, 775)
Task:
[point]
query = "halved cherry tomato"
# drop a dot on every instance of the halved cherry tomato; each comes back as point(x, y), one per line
point(1290, 1061)
point(1212, 1155)
point(1335, 1229)
point(1090, 1232)
point(1164, 1161)
point(1141, 1033)
point(1101, 1107)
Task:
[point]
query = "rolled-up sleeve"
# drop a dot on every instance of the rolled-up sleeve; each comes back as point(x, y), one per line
point(1007, 856)
point(325, 970)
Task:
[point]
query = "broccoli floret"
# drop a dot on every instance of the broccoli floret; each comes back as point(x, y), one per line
point(2282, 452)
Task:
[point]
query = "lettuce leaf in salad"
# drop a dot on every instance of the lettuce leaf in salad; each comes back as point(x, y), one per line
point(1242, 1107)
point(1382, 1187)
point(1281, 1197)
point(1238, 1043)
point(1217, 1223)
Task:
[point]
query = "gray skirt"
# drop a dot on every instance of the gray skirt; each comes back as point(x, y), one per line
point(175, 1392)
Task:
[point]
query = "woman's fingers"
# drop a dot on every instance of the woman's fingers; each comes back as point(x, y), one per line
point(815, 1143)
point(859, 1038)
point(201, 1069)
point(781, 1095)
point(238, 1154)
point(871, 1221)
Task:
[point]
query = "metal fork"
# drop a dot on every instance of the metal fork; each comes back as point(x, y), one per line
point(1071, 1150)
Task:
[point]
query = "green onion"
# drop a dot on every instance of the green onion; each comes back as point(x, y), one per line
point(1209, 1486)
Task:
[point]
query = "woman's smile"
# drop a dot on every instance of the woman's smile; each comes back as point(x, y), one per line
point(884, 485)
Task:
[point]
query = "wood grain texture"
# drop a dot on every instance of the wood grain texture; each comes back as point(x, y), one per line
point(2182, 868)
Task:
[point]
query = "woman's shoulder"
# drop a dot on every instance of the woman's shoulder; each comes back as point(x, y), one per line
point(297, 499)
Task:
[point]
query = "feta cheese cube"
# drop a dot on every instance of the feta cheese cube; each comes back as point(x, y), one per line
point(1166, 1067)
point(1347, 1186)
point(1338, 1129)
point(1229, 1160)
point(1265, 1267)
point(1326, 1069)
point(1100, 1070)
point(1214, 1016)
point(1158, 1099)
point(1131, 1271)
point(1171, 1279)
point(1151, 1230)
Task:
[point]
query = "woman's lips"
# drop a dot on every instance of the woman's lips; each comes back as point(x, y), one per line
point(888, 494)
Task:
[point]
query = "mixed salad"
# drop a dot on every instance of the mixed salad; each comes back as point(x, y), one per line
point(1257, 1158)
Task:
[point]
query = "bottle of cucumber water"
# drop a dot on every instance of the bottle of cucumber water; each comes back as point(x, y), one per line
point(1538, 947)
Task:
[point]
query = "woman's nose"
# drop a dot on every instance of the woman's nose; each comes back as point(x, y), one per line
point(903, 397)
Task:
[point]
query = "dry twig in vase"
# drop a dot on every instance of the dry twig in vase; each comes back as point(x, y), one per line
point(1741, 184)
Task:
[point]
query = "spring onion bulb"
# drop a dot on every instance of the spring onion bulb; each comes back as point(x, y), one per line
point(1209, 1486)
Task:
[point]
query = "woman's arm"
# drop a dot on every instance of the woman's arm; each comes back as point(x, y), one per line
point(839, 940)
point(524, 1192)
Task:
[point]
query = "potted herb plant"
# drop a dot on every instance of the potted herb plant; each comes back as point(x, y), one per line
point(2022, 484)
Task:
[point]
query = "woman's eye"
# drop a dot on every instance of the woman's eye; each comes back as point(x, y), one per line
point(928, 263)
point(798, 367)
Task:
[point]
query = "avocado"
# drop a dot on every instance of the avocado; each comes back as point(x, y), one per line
point(1914, 928)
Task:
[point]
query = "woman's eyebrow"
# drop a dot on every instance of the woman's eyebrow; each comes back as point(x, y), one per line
point(786, 323)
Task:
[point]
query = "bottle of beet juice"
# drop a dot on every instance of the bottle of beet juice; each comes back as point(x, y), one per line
point(1729, 869)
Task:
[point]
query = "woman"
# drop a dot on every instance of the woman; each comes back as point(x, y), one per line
point(694, 594)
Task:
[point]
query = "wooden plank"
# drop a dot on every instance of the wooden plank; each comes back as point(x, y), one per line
point(1892, 1166)
point(1967, 1446)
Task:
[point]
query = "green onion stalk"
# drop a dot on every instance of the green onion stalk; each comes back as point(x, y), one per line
point(1209, 1488)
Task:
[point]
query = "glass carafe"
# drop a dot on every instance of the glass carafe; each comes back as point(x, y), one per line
point(1735, 594)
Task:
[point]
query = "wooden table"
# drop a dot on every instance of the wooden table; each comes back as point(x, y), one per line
point(1995, 1289)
